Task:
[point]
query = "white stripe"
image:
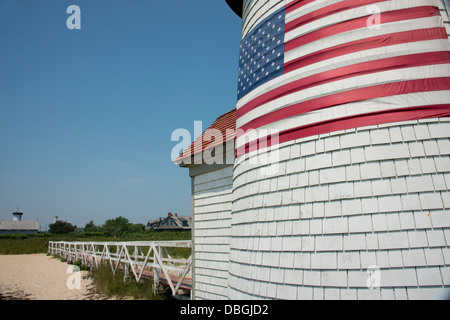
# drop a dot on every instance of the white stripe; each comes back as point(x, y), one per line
point(265, 10)
point(363, 33)
point(350, 59)
point(252, 18)
point(373, 105)
point(246, 7)
point(352, 14)
point(414, 73)
point(333, 19)
point(310, 7)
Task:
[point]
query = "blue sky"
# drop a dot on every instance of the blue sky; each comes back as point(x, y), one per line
point(86, 116)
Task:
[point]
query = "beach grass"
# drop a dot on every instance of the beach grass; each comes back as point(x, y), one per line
point(110, 285)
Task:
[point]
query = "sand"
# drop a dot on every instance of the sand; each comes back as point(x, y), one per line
point(42, 277)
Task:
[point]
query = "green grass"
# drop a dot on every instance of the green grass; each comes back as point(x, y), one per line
point(29, 244)
point(23, 244)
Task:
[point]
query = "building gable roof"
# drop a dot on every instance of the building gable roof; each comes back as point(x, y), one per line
point(19, 225)
point(226, 124)
point(171, 222)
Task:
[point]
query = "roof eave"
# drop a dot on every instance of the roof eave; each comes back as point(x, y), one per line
point(236, 6)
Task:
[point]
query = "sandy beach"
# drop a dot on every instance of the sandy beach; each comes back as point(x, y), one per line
point(42, 277)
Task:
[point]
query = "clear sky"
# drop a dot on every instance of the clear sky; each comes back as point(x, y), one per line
point(86, 116)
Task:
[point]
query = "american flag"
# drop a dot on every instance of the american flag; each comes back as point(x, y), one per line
point(314, 66)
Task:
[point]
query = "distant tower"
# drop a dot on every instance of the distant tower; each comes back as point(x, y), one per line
point(17, 216)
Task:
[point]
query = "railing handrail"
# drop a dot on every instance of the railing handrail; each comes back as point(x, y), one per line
point(95, 253)
point(161, 243)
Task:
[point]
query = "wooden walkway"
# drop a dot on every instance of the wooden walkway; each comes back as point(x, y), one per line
point(142, 259)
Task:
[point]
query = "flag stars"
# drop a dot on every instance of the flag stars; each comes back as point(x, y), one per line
point(260, 55)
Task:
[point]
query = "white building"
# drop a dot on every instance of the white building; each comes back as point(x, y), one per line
point(17, 226)
point(211, 186)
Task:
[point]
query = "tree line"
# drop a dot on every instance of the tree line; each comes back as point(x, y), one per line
point(112, 228)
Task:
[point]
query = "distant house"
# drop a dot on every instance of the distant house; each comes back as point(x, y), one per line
point(17, 226)
point(170, 223)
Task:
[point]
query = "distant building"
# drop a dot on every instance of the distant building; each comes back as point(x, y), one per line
point(79, 230)
point(17, 226)
point(170, 223)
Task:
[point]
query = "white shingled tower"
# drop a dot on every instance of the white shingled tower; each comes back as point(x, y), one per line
point(356, 203)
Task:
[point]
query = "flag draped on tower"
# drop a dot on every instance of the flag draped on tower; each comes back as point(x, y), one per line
point(317, 66)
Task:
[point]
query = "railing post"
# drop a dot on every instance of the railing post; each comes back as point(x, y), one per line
point(155, 269)
point(126, 275)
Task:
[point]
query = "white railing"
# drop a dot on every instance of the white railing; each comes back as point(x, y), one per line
point(142, 258)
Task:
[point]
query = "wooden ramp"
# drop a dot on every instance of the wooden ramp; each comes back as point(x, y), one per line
point(142, 259)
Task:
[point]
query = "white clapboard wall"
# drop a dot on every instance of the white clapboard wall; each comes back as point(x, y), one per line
point(212, 193)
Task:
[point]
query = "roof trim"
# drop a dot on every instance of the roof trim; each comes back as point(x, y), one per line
point(223, 123)
point(236, 6)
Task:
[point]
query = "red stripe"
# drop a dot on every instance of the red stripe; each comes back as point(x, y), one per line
point(294, 5)
point(327, 11)
point(362, 120)
point(399, 62)
point(361, 94)
point(385, 17)
point(347, 48)
point(366, 44)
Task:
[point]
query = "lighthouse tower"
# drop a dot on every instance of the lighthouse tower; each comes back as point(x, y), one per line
point(17, 216)
point(342, 172)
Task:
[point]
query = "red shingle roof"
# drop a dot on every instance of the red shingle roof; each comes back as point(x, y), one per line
point(226, 124)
